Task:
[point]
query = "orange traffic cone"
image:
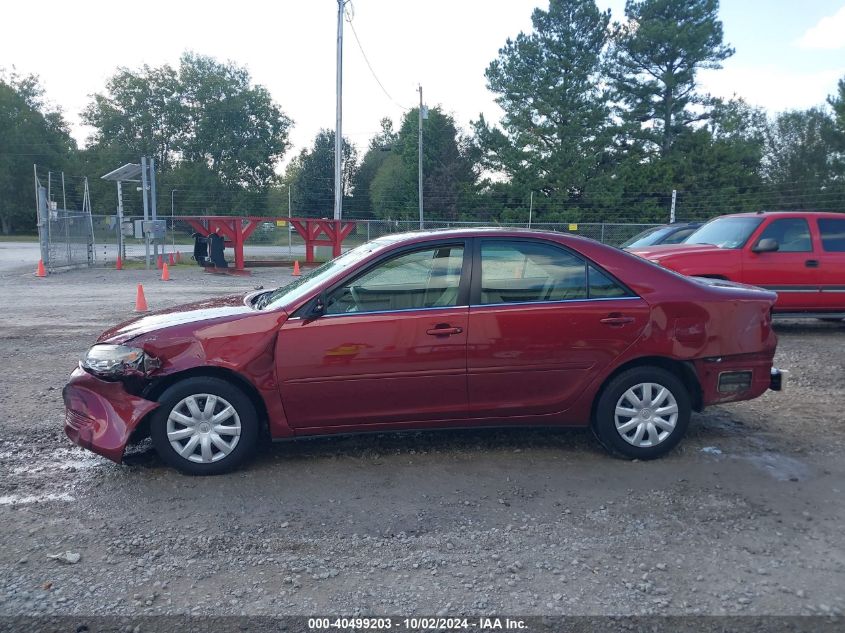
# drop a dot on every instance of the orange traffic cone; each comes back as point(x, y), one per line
point(159, 262)
point(296, 272)
point(170, 259)
point(118, 264)
point(165, 273)
point(140, 300)
point(178, 257)
point(40, 272)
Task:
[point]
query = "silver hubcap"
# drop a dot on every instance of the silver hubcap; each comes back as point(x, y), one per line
point(646, 414)
point(203, 428)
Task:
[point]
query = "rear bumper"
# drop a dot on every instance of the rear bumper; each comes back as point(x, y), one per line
point(712, 374)
point(101, 415)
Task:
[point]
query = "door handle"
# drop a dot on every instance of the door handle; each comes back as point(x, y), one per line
point(617, 319)
point(444, 329)
point(812, 263)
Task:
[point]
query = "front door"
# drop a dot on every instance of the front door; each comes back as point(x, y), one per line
point(391, 346)
point(792, 271)
point(543, 322)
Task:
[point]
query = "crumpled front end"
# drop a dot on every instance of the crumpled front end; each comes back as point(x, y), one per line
point(101, 415)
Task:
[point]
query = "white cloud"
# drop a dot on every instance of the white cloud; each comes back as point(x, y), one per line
point(828, 34)
point(771, 86)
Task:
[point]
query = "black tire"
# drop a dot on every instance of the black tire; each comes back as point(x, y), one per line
point(245, 415)
point(604, 422)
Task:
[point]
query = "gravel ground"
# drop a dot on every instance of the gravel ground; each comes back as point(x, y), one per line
point(746, 517)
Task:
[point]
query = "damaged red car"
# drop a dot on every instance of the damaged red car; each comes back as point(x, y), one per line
point(439, 329)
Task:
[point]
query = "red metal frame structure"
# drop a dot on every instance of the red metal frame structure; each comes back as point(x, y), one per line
point(236, 229)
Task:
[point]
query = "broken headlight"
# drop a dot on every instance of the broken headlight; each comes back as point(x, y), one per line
point(117, 360)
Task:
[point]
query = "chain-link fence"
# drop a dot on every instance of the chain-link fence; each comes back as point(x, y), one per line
point(66, 236)
point(278, 241)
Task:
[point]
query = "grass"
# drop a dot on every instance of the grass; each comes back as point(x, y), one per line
point(18, 238)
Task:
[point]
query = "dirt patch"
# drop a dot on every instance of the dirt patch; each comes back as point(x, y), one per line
point(744, 518)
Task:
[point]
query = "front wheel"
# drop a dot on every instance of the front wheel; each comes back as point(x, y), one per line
point(642, 413)
point(204, 426)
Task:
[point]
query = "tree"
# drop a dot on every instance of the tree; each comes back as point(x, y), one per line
point(30, 132)
point(313, 170)
point(141, 113)
point(377, 153)
point(554, 127)
point(800, 162)
point(206, 113)
point(449, 177)
point(232, 126)
point(657, 53)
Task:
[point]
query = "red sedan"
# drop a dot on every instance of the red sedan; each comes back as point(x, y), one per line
point(441, 329)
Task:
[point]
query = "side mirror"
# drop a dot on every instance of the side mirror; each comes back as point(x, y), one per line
point(318, 308)
point(766, 245)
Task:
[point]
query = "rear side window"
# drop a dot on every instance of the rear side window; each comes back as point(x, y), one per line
point(519, 272)
point(833, 235)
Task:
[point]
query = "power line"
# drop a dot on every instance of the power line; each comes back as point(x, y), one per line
point(373, 72)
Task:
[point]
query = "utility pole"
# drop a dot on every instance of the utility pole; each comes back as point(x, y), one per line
point(672, 212)
point(338, 132)
point(421, 158)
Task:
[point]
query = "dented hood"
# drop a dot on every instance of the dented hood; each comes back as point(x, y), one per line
point(200, 313)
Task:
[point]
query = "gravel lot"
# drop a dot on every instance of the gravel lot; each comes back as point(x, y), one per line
point(746, 517)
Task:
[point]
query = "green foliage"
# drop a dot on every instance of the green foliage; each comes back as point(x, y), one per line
point(555, 124)
point(312, 175)
point(449, 177)
point(30, 132)
point(377, 153)
point(215, 136)
point(802, 162)
point(657, 53)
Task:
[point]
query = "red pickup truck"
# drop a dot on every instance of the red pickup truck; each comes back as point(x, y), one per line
point(799, 255)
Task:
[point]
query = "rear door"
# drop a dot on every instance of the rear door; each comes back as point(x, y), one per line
point(792, 271)
point(542, 322)
point(832, 263)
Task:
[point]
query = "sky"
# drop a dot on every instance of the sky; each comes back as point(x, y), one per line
point(789, 54)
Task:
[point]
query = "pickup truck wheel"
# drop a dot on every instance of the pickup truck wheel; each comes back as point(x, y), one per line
point(642, 413)
point(204, 426)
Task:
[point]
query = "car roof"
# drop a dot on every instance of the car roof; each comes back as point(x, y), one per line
point(476, 231)
point(767, 214)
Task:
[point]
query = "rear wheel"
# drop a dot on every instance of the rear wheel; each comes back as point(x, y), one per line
point(204, 426)
point(642, 413)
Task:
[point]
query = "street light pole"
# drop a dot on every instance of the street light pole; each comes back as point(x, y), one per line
point(172, 221)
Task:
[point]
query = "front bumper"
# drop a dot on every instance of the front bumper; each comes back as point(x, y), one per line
point(101, 415)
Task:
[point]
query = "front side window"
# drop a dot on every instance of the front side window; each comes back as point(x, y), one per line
point(518, 272)
point(427, 278)
point(791, 234)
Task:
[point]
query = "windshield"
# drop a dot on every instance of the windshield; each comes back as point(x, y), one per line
point(647, 237)
point(730, 233)
point(299, 288)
